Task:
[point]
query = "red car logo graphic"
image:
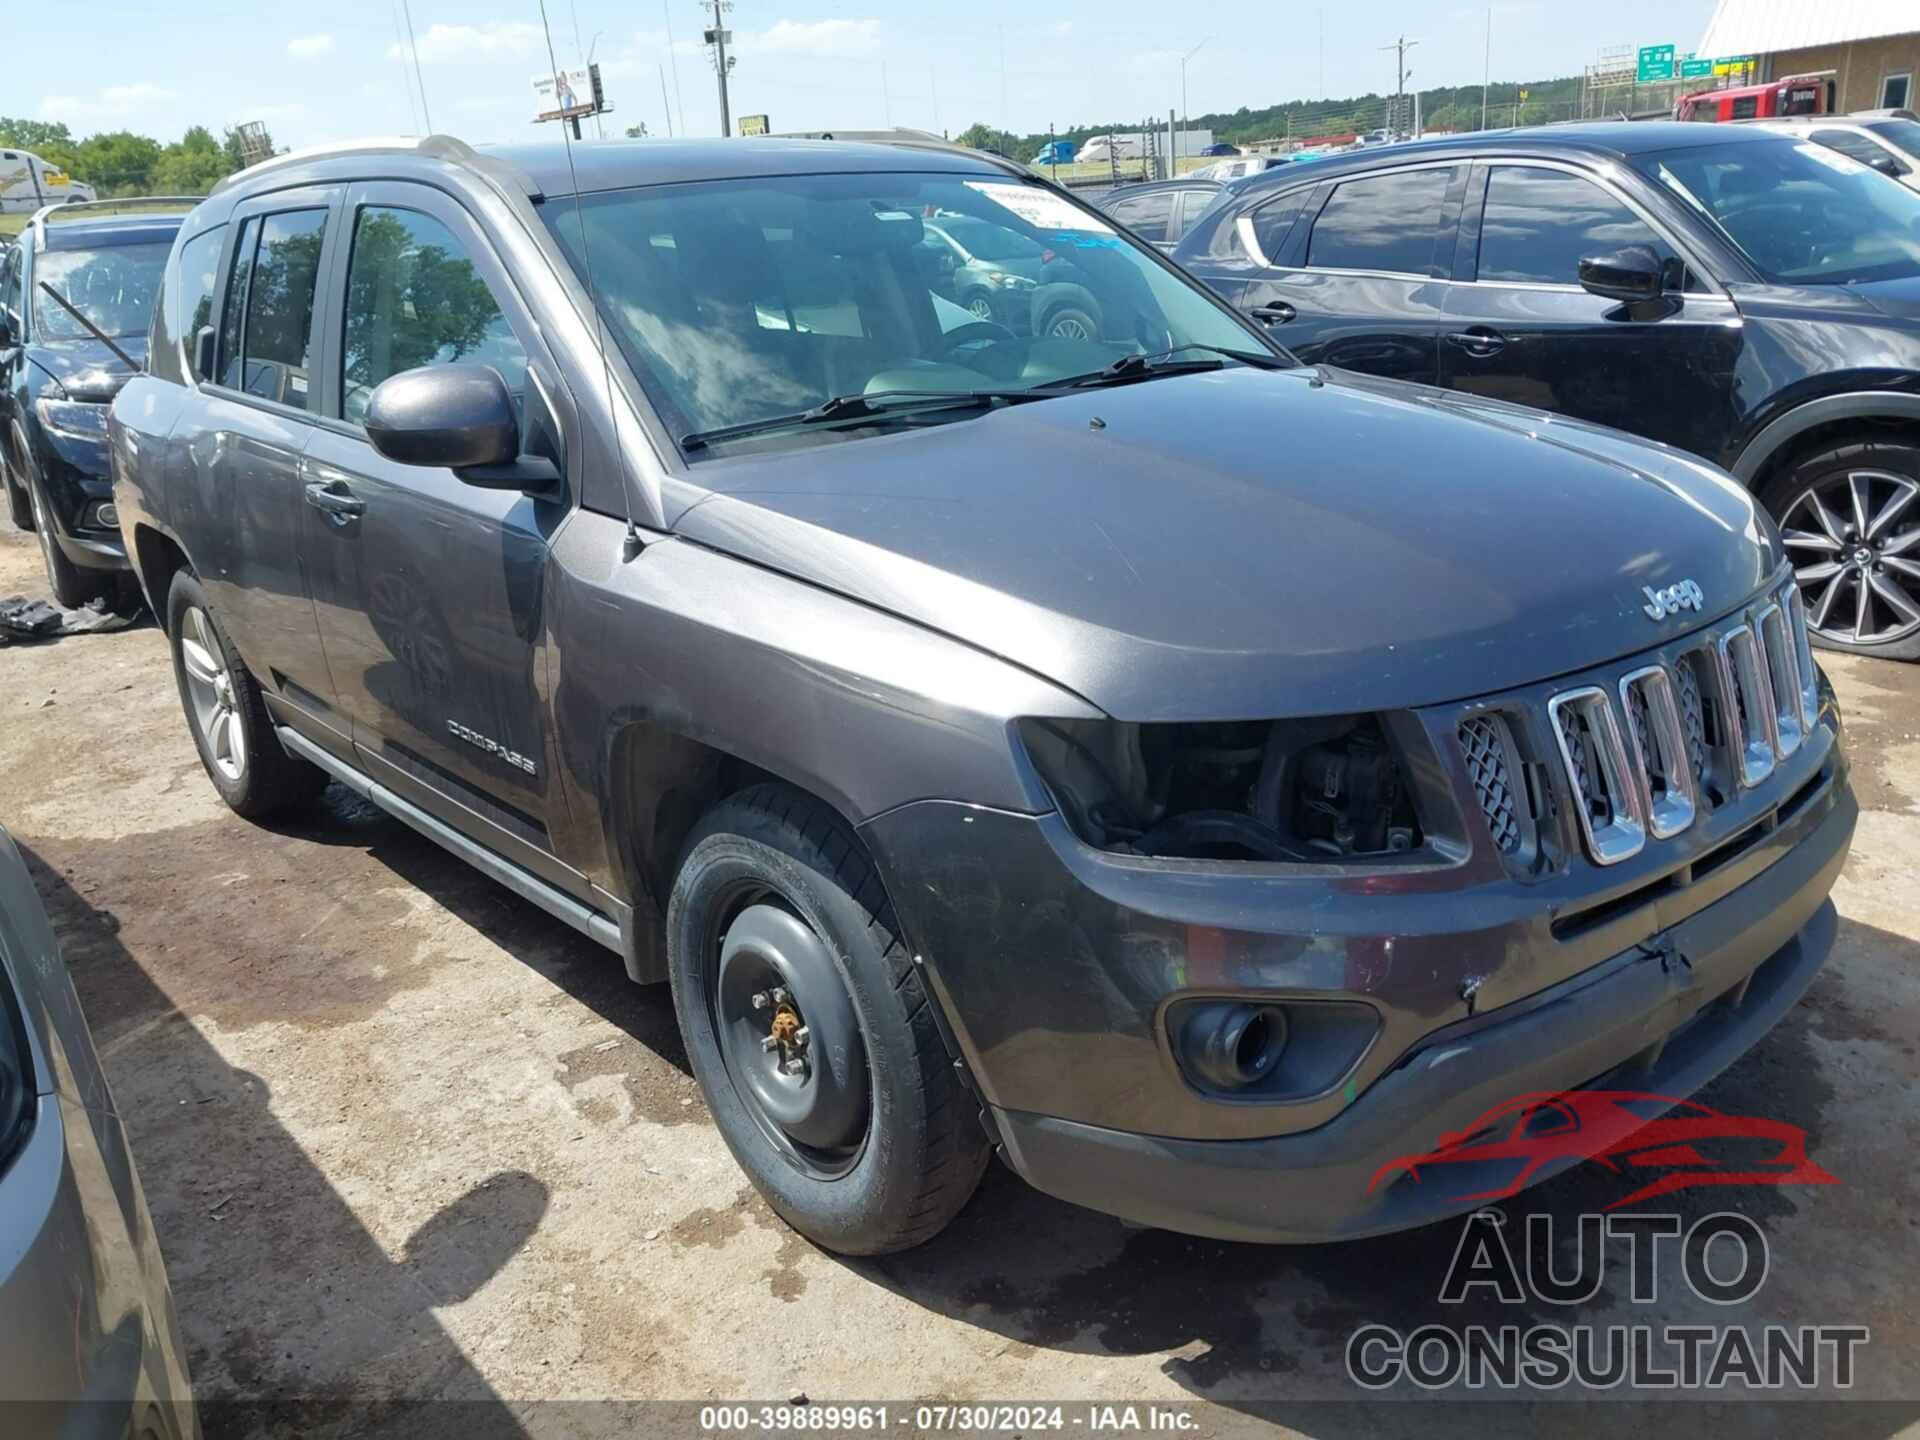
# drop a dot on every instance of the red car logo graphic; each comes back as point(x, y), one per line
point(1673, 1144)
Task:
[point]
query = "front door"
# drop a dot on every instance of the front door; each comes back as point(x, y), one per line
point(431, 591)
point(1520, 328)
point(256, 416)
point(1361, 282)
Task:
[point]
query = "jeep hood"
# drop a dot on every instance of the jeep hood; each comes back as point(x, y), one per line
point(1246, 544)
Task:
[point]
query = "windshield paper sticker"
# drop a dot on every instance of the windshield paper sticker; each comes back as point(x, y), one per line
point(1041, 209)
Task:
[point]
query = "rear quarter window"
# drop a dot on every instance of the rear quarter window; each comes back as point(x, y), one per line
point(1381, 222)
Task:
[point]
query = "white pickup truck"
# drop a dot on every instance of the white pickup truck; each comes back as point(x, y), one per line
point(27, 182)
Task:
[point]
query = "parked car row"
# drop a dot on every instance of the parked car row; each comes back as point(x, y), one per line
point(1747, 293)
point(716, 543)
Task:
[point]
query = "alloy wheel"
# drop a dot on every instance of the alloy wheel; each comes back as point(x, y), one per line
point(210, 685)
point(1854, 538)
point(1069, 327)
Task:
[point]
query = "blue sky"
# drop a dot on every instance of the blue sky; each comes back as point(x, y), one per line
point(333, 71)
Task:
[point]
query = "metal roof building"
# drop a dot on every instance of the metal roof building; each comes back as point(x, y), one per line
point(1872, 46)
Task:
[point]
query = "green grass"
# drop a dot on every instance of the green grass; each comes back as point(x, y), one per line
point(11, 225)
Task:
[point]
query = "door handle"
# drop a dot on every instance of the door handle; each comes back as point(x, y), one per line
point(1275, 312)
point(1480, 343)
point(334, 500)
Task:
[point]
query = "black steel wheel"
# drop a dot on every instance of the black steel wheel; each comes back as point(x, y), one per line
point(810, 1031)
point(1850, 519)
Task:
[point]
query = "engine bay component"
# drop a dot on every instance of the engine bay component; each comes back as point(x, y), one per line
point(1291, 791)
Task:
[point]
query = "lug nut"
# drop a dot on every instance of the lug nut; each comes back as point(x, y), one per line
point(769, 1044)
point(761, 1000)
point(800, 1036)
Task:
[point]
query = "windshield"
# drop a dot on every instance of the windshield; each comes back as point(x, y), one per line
point(985, 241)
point(741, 300)
point(1803, 214)
point(113, 287)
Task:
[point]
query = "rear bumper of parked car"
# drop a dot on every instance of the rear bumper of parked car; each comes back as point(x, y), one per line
point(89, 1343)
point(1058, 998)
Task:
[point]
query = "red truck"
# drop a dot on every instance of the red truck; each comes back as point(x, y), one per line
point(1796, 95)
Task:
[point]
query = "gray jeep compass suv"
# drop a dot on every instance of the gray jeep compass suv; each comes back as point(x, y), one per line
point(1200, 777)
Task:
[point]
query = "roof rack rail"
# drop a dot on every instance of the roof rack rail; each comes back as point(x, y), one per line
point(39, 218)
point(446, 147)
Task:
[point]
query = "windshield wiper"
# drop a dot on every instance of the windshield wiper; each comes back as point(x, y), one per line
point(98, 334)
point(881, 403)
point(1162, 362)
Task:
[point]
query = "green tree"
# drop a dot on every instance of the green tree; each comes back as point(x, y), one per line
point(117, 162)
point(192, 165)
point(49, 139)
point(985, 137)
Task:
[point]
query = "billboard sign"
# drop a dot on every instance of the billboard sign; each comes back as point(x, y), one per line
point(751, 125)
point(1655, 64)
point(562, 95)
point(1694, 68)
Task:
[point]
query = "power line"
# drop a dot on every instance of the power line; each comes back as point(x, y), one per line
point(407, 10)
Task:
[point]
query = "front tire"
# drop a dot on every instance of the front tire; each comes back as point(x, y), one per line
point(1071, 322)
point(1850, 518)
point(228, 719)
point(72, 587)
point(19, 506)
point(811, 1031)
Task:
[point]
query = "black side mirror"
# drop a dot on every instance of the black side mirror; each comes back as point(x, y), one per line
point(460, 417)
point(203, 352)
point(1633, 275)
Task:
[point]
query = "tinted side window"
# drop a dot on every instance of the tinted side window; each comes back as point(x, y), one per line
point(10, 287)
point(1194, 204)
point(1745, 107)
point(278, 339)
point(414, 298)
point(199, 264)
point(1384, 222)
point(235, 309)
point(1853, 145)
point(1540, 223)
point(1274, 221)
point(1147, 215)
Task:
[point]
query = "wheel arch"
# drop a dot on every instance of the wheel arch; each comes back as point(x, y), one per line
point(157, 557)
point(660, 784)
point(1819, 423)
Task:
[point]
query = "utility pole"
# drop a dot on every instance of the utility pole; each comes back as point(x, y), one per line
point(717, 37)
point(1400, 48)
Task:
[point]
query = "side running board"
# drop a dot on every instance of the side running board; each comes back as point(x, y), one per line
point(590, 923)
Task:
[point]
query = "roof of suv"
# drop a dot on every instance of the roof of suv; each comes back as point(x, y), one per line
point(99, 230)
point(1614, 138)
point(549, 168)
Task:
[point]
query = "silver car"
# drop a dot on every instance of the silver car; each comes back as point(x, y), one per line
point(87, 1328)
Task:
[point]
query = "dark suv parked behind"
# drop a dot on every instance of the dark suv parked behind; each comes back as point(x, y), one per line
point(57, 375)
point(994, 739)
point(1745, 295)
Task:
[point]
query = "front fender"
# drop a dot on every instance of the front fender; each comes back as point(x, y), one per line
point(859, 707)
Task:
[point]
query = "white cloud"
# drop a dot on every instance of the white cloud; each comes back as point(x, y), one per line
point(501, 38)
point(310, 47)
point(817, 39)
point(111, 107)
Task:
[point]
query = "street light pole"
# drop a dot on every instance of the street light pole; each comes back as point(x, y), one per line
point(717, 37)
point(1173, 164)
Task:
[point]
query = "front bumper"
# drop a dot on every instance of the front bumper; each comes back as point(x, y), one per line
point(1055, 965)
point(69, 491)
point(1647, 1022)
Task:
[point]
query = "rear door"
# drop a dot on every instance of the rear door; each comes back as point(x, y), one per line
point(431, 592)
point(243, 510)
point(1149, 216)
point(1520, 328)
point(1360, 280)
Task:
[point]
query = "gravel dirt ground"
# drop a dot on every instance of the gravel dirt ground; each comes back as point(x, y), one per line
point(406, 1138)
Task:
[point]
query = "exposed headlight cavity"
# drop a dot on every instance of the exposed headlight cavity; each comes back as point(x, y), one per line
point(1318, 790)
point(75, 419)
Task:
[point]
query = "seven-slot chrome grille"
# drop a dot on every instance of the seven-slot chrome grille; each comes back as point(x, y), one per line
point(1668, 741)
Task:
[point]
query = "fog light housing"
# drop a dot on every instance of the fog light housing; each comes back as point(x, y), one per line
point(103, 516)
point(1261, 1050)
point(1232, 1044)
